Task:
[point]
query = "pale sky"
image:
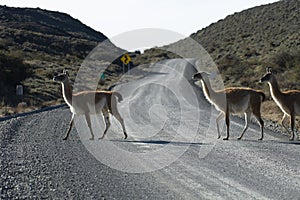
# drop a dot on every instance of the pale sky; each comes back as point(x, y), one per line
point(114, 17)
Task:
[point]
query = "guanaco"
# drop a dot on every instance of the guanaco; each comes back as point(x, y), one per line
point(233, 100)
point(90, 102)
point(288, 101)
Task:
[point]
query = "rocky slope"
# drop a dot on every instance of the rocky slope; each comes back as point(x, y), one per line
point(36, 43)
point(244, 43)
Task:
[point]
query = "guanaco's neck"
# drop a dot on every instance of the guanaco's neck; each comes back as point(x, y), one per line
point(208, 91)
point(67, 91)
point(275, 91)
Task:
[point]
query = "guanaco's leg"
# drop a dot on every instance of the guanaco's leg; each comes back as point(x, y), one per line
point(120, 119)
point(106, 119)
point(220, 116)
point(88, 120)
point(283, 120)
point(292, 126)
point(247, 119)
point(115, 112)
point(227, 120)
point(257, 115)
point(70, 127)
point(261, 123)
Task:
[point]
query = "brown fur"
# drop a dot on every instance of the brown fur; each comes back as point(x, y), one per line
point(233, 100)
point(90, 102)
point(288, 101)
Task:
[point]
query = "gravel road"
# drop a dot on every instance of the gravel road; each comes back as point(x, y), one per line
point(37, 163)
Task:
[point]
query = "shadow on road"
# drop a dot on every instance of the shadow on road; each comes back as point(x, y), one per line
point(162, 142)
point(290, 142)
point(272, 141)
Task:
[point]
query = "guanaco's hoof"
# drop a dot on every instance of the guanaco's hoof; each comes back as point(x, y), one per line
point(239, 138)
point(125, 137)
point(260, 139)
point(225, 138)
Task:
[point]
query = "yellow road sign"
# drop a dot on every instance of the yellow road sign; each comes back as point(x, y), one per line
point(126, 59)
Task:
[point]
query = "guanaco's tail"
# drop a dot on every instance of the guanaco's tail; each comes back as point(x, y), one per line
point(118, 95)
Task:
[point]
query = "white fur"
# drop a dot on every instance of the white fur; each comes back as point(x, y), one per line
point(277, 101)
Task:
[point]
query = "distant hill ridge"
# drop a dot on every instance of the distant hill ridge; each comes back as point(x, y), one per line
point(255, 32)
point(36, 43)
point(244, 43)
point(47, 22)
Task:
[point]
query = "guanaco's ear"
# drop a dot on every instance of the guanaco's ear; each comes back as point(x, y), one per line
point(66, 72)
point(269, 69)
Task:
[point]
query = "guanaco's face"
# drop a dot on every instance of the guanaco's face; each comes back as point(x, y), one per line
point(268, 76)
point(61, 77)
point(200, 76)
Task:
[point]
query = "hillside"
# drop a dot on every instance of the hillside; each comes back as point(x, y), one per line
point(254, 38)
point(31, 30)
point(245, 43)
point(34, 44)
